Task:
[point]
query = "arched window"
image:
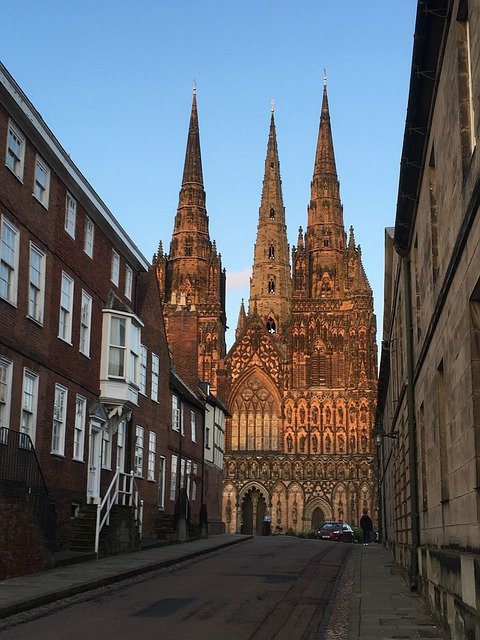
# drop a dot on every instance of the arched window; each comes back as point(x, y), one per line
point(272, 213)
point(271, 252)
point(271, 286)
point(271, 326)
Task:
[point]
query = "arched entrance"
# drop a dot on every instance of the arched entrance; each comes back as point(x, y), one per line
point(253, 511)
point(318, 518)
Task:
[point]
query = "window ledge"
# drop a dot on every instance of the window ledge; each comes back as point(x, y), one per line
point(45, 206)
point(39, 323)
point(20, 179)
point(70, 344)
point(12, 304)
point(78, 460)
point(57, 454)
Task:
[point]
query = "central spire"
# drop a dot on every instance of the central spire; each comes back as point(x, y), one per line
point(192, 171)
point(270, 286)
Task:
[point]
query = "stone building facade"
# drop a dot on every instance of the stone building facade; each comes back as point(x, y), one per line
point(301, 379)
point(429, 383)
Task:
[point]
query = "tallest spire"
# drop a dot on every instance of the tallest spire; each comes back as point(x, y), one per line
point(192, 171)
point(325, 156)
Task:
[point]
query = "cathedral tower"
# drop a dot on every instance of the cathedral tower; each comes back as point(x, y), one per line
point(302, 390)
point(191, 278)
point(270, 286)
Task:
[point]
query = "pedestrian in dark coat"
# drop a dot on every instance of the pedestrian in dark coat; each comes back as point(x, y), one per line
point(366, 525)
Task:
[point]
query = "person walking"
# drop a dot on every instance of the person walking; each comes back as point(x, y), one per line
point(366, 525)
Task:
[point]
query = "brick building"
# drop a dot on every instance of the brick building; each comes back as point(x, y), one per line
point(428, 403)
point(85, 380)
point(301, 375)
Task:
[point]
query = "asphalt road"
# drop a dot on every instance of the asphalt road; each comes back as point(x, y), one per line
point(272, 588)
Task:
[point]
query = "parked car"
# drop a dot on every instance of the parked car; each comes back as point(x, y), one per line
point(339, 531)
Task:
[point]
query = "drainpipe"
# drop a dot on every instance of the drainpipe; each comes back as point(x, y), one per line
point(412, 428)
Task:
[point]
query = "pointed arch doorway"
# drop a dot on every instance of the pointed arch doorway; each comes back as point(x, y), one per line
point(318, 518)
point(254, 508)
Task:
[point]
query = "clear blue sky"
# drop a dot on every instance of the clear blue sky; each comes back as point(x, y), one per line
point(113, 80)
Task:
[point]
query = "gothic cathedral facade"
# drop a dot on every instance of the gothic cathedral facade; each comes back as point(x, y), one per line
point(301, 377)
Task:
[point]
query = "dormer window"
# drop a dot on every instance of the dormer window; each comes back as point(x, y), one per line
point(271, 252)
point(272, 214)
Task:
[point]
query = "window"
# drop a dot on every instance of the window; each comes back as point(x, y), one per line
point(41, 185)
point(152, 452)
point(128, 282)
point(115, 276)
point(155, 371)
point(161, 483)
point(116, 360)
point(59, 420)
point(5, 396)
point(106, 449)
point(66, 308)
point(15, 150)
point(79, 430)
point(271, 286)
point(143, 369)
point(88, 238)
point(121, 434)
point(207, 437)
point(36, 293)
point(138, 463)
point(9, 251)
point(193, 426)
point(182, 473)
point(173, 478)
point(272, 213)
point(271, 252)
point(175, 413)
point(29, 405)
point(85, 324)
point(134, 369)
point(70, 215)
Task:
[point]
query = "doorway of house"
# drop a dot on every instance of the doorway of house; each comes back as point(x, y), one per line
point(254, 508)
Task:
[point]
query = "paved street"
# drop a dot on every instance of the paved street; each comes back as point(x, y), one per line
point(277, 587)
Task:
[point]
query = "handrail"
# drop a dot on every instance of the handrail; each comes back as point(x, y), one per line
point(122, 490)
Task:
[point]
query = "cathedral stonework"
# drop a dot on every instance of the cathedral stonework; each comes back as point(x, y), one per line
point(301, 376)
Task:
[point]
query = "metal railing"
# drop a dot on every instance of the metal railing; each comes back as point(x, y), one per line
point(20, 474)
point(123, 490)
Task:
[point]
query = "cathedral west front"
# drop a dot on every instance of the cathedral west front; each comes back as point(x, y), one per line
point(300, 380)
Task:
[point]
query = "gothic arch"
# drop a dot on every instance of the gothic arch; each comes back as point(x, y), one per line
point(256, 413)
point(317, 503)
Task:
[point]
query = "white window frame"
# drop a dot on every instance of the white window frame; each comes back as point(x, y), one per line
point(139, 449)
point(193, 425)
point(15, 158)
point(175, 413)
point(173, 477)
point(161, 482)
point(28, 418)
point(115, 271)
point(143, 369)
point(85, 324)
point(9, 256)
point(182, 473)
point(41, 185)
point(89, 237)
point(36, 285)
point(155, 375)
point(193, 489)
point(128, 347)
point(66, 308)
point(128, 282)
point(79, 428)
point(59, 420)
point(106, 449)
point(6, 368)
point(152, 455)
point(70, 215)
point(121, 441)
point(134, 343)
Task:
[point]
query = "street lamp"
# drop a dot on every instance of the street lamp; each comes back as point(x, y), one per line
point(379, 435)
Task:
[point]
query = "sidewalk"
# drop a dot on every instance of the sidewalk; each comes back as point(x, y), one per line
point(382, 606)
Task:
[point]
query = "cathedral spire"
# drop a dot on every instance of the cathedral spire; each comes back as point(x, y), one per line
point(325, 156)
point(192, 171)
point(270, 285)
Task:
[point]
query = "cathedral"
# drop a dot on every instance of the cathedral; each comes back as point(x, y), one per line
point(301, 375)
point(300, 380)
